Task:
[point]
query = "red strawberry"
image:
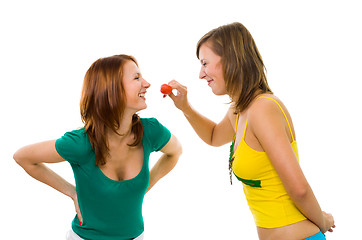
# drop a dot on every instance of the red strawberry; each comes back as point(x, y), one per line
point(166, 89)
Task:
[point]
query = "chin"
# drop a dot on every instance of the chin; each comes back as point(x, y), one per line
point(138, 108)
point(218, 92)
point(143, 107)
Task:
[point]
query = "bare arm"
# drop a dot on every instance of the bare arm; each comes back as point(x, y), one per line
point(32, 158)
point(171, 153)
point(214, 134)
point(268, 125)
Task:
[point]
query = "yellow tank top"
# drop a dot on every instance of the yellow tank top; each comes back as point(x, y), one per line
point(267, 198)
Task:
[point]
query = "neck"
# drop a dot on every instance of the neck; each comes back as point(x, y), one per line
point(124, 129)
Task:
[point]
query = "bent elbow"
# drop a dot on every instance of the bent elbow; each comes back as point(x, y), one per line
point(300, 192)
point(216, 142)
point(213, 144)
point(17, 157)
point(178, 151)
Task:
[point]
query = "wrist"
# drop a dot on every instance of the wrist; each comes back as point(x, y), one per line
point(324, 227)
point(187, 111)
point(71, 192)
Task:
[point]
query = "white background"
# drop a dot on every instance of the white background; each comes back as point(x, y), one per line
point(312, 52)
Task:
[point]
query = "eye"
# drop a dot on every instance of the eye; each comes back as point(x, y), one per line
point(137, 77)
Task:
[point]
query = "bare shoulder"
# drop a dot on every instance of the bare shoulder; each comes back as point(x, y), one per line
point(268, 110)
point(265, 111)
point(265, 105)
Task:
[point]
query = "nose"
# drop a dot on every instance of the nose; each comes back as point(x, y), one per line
point(145, 84)
point(202, 73)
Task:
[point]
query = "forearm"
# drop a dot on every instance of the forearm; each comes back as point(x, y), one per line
point(163, 166)
point(309, 206)
point(32, 158)
point(45, 175)
point(203, 126)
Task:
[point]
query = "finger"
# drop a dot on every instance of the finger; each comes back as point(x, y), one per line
point(80, 217)
point(174, 82)
point(79, 214)
point(179, 87)
point(331, 229)
point(172, 96)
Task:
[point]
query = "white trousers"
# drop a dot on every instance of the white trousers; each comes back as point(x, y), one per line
point(71, 235)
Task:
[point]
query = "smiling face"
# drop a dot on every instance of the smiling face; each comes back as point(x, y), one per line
point(135, 87)
point(211, 69)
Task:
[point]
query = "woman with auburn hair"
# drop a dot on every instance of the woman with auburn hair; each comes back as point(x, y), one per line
point(263, 153)
point(109, 155)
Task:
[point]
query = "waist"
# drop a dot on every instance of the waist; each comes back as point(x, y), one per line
point(103, 223)
point(110, 231)
point(271, 209)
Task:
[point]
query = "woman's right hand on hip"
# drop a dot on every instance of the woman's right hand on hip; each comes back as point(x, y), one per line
point(76, 205)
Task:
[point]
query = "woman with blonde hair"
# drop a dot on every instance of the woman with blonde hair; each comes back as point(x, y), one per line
point(109, 155)
point(263, 153)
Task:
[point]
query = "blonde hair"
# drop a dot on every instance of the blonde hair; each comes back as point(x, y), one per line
point(243, 67)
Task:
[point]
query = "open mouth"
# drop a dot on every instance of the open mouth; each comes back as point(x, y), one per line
point(142, 95)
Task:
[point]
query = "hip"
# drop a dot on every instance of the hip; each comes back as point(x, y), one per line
point(71, 235)
point(295, 231)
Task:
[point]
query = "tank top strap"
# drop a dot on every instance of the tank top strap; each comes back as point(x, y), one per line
point(246, 124)
point(285, 116)
point(236, 127)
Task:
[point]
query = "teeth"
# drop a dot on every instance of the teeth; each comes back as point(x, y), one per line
point(141, 95)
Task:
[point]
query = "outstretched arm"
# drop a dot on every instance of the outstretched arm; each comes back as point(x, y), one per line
point(214, 134)
point(171, 153)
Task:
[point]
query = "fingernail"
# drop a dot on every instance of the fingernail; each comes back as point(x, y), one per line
point(81, 223)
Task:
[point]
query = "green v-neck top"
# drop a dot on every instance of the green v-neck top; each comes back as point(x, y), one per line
point(111, 209)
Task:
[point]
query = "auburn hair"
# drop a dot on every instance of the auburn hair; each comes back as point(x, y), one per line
point(103, 102)
point(243, 67)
